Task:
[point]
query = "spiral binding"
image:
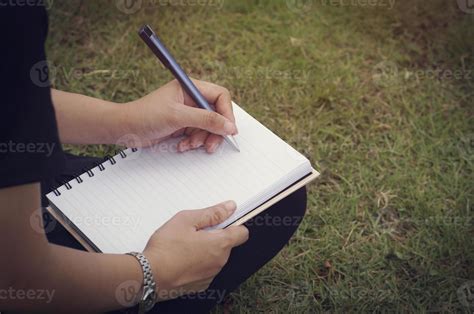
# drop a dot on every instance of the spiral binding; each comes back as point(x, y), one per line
point(91, 173)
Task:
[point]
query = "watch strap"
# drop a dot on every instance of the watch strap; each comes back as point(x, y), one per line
point(148, 299)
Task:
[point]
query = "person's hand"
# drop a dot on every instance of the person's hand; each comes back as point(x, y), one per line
point(185, 258)
point(169, 111)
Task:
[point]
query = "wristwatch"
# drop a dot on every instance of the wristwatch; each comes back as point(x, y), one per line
point(148, 299)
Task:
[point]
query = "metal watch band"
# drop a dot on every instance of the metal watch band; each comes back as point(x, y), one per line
point(148, 298)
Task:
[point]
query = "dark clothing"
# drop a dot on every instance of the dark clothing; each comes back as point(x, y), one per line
point(29, 143)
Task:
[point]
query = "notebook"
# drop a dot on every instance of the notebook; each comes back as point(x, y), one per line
point(116, 206)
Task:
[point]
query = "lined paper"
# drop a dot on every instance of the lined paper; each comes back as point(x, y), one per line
point(119, 208)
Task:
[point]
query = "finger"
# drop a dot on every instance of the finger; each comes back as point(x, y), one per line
point(198, 139)
point(211, 216)
point(205, 120)
point(185, 144)
point(237, 235)
point(179, 133)
point(212, 143)
point(193, 141)
point(190, 131)
point(216, 95)
point(219, 96)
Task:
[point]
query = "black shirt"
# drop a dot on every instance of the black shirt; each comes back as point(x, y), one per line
point(30, 150)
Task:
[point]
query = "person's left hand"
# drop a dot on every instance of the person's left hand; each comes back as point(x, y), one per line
point(169, 111)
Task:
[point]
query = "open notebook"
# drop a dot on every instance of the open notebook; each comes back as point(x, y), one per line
point(115, 207)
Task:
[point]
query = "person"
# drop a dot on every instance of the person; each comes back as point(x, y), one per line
point(193, 269)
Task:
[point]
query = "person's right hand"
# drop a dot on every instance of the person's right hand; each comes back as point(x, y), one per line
point(185, 258)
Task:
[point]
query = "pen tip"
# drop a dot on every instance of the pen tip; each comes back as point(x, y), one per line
point(235, 144)
point(231, 140)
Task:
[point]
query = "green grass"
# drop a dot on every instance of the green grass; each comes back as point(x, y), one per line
point(390, 223)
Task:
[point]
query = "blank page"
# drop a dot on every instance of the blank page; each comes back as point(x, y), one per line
point(120, 207)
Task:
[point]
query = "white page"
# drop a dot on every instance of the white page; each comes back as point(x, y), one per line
point(120, 207)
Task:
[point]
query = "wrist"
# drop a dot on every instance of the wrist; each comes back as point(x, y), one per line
point(157, 274)
point(130, 289)
point(120, 121)
point(148, 291)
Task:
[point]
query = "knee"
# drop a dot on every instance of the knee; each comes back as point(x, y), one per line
point(298, 201)
point(287, 214)
point(296, 207)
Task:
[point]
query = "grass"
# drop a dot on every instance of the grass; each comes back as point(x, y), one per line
point(364, 92)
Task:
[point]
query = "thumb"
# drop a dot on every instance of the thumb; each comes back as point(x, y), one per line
point(238, 234)
point(214, 215)
point(206, 120)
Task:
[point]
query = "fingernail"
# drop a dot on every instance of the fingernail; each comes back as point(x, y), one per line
point(230, 206)
point(194, 144)
point(229, 127)
point(183, 146)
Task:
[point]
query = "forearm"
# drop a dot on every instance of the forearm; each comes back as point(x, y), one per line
point(78, 281)
point(87, 120)
point(36, 275)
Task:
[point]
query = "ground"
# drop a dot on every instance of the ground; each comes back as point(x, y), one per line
point(377, 94)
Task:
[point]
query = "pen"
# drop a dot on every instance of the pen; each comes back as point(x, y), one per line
point(154, 43)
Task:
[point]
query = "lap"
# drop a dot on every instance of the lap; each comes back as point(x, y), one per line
point(269, 232)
